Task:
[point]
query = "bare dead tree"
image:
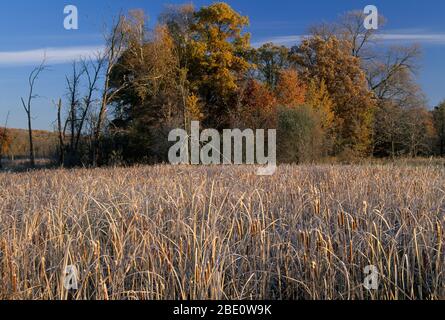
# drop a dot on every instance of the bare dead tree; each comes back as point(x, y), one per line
point(34, 75)
point(351, 28)
point(92, 69)
point(73, 84)
point(396, 60)
point(179, 19)
point(61, 133)
point(115, 46)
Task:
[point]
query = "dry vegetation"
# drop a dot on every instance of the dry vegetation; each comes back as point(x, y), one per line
point(223, 233)
point(45, 144)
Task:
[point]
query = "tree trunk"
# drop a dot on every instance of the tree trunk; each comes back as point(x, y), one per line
point(61, 140)
point(32, 161)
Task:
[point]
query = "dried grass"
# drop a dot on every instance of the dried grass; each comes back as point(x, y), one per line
point(168, 232)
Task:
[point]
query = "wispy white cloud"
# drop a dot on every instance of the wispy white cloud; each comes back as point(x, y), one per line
point(438, 38)
point(280, 40)
point(425, 38)
point(53, 55)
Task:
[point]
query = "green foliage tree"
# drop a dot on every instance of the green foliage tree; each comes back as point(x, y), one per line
point(270, 60)
point(299, 135)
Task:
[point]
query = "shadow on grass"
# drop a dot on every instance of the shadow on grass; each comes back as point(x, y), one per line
point(23, 165)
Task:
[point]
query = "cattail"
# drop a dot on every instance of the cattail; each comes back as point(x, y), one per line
point(365, 207)
point(329, 250)
point(240, 229)
point(354, 224)
point(317, 206)
point(42, 268)
point(97, 249)
point(13, 279)
point(439, 245)
point(306, 240)
point(105, 291)
point(351, 254)
point(208, 272)
point(197, 272)
point(341, 219)
point(214, 250)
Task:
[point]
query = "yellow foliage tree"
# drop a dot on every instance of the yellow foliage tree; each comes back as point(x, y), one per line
point(217, 60)
point(330, 60)
point(194, 112)
point(318, 98)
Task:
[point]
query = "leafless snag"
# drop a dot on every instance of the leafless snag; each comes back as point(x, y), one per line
point(34, 75)
point(115, 46)
point(92, 69)
point(73, 84)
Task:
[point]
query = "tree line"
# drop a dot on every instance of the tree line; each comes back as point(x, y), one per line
point(338, 93)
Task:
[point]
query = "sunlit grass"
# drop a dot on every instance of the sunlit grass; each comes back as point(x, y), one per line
point(169, 232)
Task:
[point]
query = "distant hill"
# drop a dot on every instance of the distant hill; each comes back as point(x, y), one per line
point(45, 143)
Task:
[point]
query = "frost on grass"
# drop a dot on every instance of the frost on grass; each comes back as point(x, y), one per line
point(169, 232)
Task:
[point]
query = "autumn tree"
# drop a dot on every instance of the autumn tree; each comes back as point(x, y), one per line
point(5, 140)
point(390, 72)
point(150, 104)
point(270, 60)
point(5, 144)
point(217, 60)
point(257, 107)
point(290, 91)
point(318, 98)
point(331, 61)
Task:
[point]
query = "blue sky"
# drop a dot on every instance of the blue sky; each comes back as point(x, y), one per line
point(27, 28)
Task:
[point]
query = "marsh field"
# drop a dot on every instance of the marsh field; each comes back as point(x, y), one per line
point(167, 232)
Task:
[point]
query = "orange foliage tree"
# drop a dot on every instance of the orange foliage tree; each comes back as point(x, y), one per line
point(5, 143)
point(290, 91)
point(257, 106)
